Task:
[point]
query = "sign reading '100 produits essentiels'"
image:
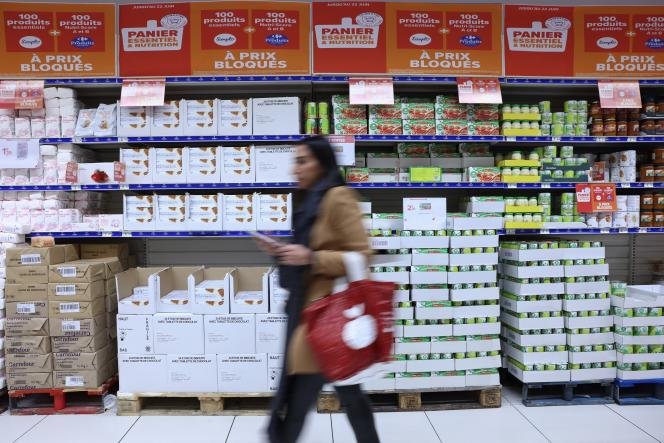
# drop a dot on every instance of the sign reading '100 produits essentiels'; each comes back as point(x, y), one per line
point(57, 40)
point(214, 38)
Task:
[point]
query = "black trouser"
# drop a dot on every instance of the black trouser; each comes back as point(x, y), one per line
point(302, 393)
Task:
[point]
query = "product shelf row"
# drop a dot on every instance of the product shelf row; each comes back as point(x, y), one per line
point(374, 185)
point(109, 81)
point(243, 234)
point(358, 139)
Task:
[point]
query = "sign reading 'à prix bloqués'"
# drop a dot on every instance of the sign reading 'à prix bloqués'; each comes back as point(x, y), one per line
point(214, 38)
point(57, 40)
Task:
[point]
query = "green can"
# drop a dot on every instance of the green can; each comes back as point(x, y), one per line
point(324, 126)
point(323, 110)
point(312, 110)
point(311, 126)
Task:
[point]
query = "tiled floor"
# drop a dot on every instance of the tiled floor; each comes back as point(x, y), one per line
point(512, 423)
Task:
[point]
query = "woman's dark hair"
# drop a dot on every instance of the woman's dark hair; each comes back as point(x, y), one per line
point(321, 148)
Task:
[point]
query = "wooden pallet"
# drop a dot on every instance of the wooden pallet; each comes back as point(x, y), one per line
point(177, 403)
point(421, 400)
point(639, 392)
point(595, 392)
point(61, 401)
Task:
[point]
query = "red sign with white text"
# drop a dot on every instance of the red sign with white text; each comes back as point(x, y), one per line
point(596, 197)
point(155, 39)
point(22, 94)
point(479, 90)
point(619, 94)
point(539, 41)
point(371, 91)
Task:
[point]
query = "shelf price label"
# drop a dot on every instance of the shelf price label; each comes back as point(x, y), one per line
point(619, 94)
point(479, 90)
point(371, 90)
point(143, 92)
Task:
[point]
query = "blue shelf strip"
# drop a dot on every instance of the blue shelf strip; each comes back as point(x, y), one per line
point(629, 383)
point(332, 79)
point(241, 234)
point(147, 234)
point(358, 139)
point(223, 186)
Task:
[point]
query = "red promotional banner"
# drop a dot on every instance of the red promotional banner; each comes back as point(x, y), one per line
point(619, 94)
point(22, 94)
point(155, 39)
point(407, 38)
point(57, 40)
point(539, 41)
point(596, 197)
point(621, 41)
point(479, 90)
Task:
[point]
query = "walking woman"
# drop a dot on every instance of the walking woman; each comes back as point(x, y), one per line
point(327, 224)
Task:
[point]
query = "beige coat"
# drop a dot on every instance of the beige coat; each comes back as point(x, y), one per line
point(337, 228)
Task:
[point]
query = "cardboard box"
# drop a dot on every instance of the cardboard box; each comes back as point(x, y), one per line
point(80, 343)
point(172, 288)
point(456, 379)
point(592, 339)
point(398, 278)
point(404, 313)
point(538, 376)
point(417, 294)
point(593, 374)
point(480, 379)
point(530, 358)
point(278, 295)
point(251, 295)
point(473, 259)
point(169, 118)
point(533, 271)
point(586, 270)
point(464, 223)
point(598, 287)
point(84, 379)
point(205, 212)
point(476, 311)
point(134, 121)
point(230, 333)
point(235, 117)
point(274, 164)
point(477, 363)
point(178, 334)
point(379, 383)
point(482, 343)
point(80, 327)
point(276, 115)
point(596, 304)
point(201, 117)
point(30, 380)
point(76, 292)
point(475, 294)
point(17, 327)
point(424, 213)
point(446, 344)
point(25, 292)
point(171, 212)
point(143, 373)
point(238, 164)
point(524, 255)
point(406, 345)
point(531, 306)
point(534, 340)
point(413, 380)
point(385, 242)
point(425, 257)
point(638, 358)
point(242, 373)
point(22, 363)
point(533, 288)
point(532, 323)
point(583, 253)
point(593, 356)
point(27, 345)
point(640, 375)
point(192, 373)
point(239, 212)
point(637, 340)
point(31, 256)
point(81, 271)
point(270, 333)
point(83, 361)
point(589, 322)
point(430, 365)
point(411, 331)
point(105, 250)
point(474, 241)
point(393, 221)
point(273, 212)
point(210, 290)
point(27, 275)
point(27, 309)
point(133, 303)
point(471, 277)
point(139, 212)
point(135, 334)
point(428, 275)
point(476, 329)
point(424, 242)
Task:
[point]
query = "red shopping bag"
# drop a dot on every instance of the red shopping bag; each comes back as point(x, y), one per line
point(351, 330)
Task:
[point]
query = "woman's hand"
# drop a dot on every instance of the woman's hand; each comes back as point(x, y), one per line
point(294, 255)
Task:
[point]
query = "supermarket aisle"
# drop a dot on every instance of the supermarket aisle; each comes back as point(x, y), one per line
point(511, 423)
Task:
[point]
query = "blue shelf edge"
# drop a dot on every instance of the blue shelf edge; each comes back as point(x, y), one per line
point(147, 234)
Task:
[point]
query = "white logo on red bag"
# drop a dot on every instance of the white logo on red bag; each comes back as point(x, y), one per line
point(361, 331)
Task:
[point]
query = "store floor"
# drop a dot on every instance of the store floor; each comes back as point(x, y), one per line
point(512, 423)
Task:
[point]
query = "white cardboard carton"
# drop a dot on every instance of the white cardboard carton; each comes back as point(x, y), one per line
point(205, 212)
point(143, 373)
point(192, 373)
point(169, 118)
point(134, 121)
point(252, 291)
point(237, 164)
point(275, 363)
point(201, 117)
point(135, 334)
point(270, 333)
point(276, 116)
point(139, 212)
point(274, 164)
point(170, 165)
point(273, 212)
point(178, 334)
point(424, 213)
point(204, 164)
point(239, 212)
point(171, 212)
point(172, 287)
point(131, 301)
point(235, 117)
point(211, 289)
point(242, 373)
point(230, 333)
point(137, 163)
point(278, 295)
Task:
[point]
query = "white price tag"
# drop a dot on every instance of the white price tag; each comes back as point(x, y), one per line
point(70, 308)
point(106, 234)
point(30, 259)
point(545, 232)
point(631, 139)
point(604, 231)
point(26, 308)
point(65, 290)
point(545, 185)
point(72, 381)
point(626, 185)
point(510, 139)
point(67, 271)
point(71, 325)
point(555, 139)
point(600, 139)
point(648, 185)
point(511, 185)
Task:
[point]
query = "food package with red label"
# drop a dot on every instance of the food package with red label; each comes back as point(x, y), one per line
point(385, 127)
point(484, 128)
point(452, 127)
point(451, 111)
point(478, 174)
point(384, 112)
point(413, 148)
point(350, 126)
point(347, 111)
point(482, 113)
point(447, 100)
point(357, 175)
point(418, 111)
point(419, 127)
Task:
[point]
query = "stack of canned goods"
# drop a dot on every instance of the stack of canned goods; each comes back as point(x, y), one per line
point(317, 119)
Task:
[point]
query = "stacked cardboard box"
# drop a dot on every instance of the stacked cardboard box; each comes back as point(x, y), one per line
point(639, 330)
point(195, 329)
point(444, 265)
point(81, 312)
point(533, 333)
point(586, 308)
point(29, 358)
